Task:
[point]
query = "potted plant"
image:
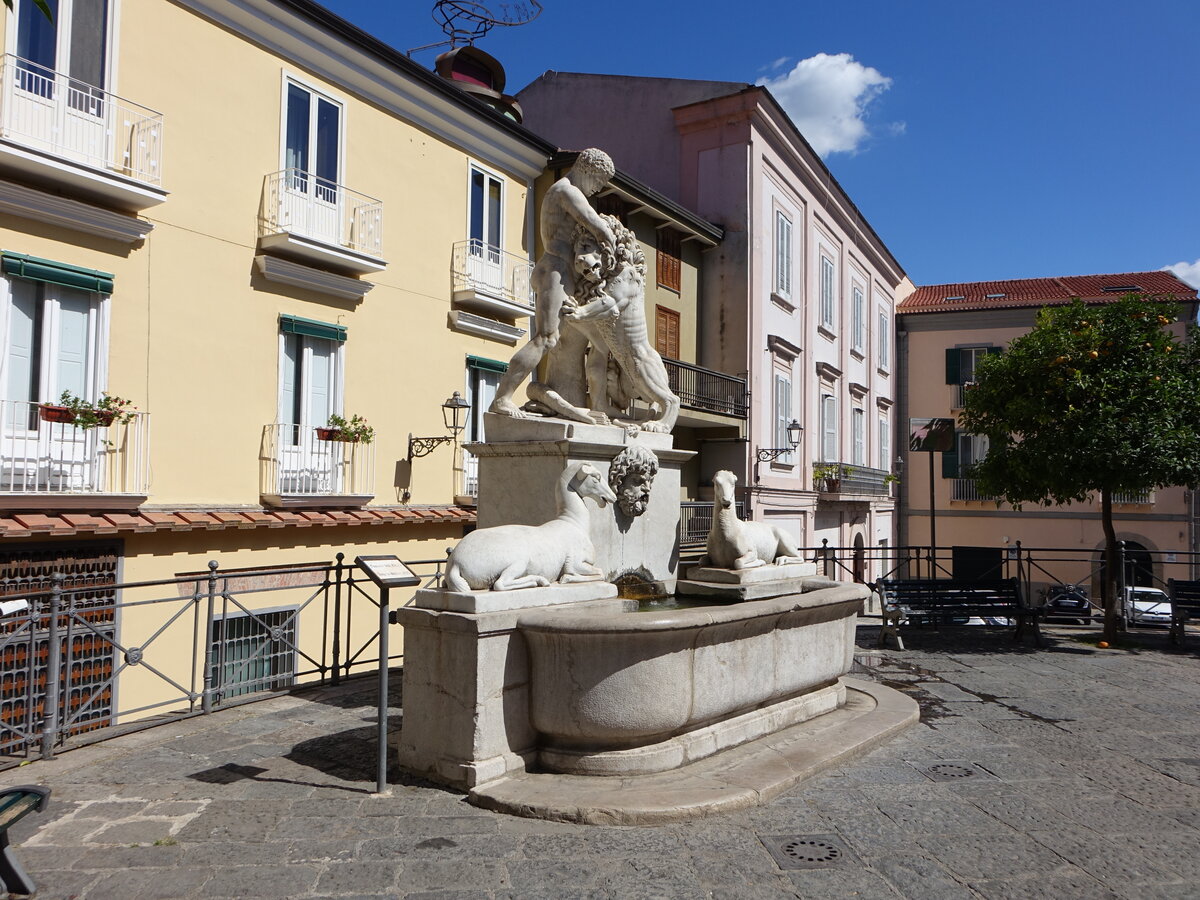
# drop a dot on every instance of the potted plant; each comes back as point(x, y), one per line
point(828, 476)
point(73, 410)
point(354, 430)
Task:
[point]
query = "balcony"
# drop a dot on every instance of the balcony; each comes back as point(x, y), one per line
point(299, 469)
point(965, 489)
point(61, 130)
point(850, 481)
point(321, 222)
point(959, 391)
point(469, 480)
point(695, 520)
point(491, 281)
point(707, 391)
point(56, 465)
point(1131, 498)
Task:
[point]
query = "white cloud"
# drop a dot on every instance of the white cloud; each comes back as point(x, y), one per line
point(827, 97)
point(1186, 271)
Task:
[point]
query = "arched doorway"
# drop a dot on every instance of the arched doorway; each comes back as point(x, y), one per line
point(860, 559)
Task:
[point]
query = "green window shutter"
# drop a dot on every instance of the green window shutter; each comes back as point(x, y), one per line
point(952, 365)
point(311, 328)
point(487, 365)
point(950, 460)
point(33, 268)
point(995, 351)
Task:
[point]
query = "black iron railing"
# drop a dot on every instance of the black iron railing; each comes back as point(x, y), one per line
point(695, 520)
point(706, 390)
point(844, 478)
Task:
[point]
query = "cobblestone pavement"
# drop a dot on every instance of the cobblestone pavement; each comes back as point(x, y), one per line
point(1066, 772)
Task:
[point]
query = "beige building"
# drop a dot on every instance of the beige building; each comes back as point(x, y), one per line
point(943, 331)
point(243, 217)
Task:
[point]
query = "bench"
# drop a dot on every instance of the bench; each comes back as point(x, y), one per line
point(951, 601)
point(15, 804)
point(1185, 604)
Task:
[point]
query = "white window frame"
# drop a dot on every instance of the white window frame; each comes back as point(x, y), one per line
point(336, 387)
point(315, 93)
point(975, 447)
point(858, 430)
point(828, 292)
point(784, 255)
point(63, 37)
point(829, 426)
point(884, 341)
point(472, 168)
point(858, 319)
point(48, 390)
point(885, 443)
point(783, 416)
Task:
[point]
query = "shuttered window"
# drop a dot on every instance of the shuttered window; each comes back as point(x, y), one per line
point(829, 428)
point(666, 332)
point(783, 415)
point(783, 255)
point(858, 424)
point(827, 292)
point(668, 258)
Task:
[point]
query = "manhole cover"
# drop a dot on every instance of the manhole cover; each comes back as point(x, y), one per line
point(948, 772)
point(806, 851)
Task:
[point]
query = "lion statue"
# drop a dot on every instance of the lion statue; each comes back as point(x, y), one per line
point(598, 383)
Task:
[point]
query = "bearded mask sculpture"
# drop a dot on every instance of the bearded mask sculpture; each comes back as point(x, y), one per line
point(631, 477)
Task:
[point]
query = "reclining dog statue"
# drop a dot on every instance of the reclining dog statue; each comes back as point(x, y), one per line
point(734, 544)
point(510, 557)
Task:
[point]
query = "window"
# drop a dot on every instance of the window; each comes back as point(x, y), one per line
point(858, 319)
point(828, 309)
point(668, 258)
point(858, 429)
point(969, 449)
point(487, 210)
point(67, 54)
point(783, 255)
point(885, 444)
point(885, 341)
point(829, 428)
point(312, 143)
point(54, 342)
point(612, 205)
point(253, 652)
point(483, 379)
point(961, 363)
point(310, 381)
point(666, 332)
point(783, 415)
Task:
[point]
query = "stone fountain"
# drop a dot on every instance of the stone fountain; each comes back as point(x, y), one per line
point(531, 659)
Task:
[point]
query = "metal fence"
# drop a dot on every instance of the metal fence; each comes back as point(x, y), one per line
point(695, 520)
point(298, 461)
point(302, 203)
point(80, 659)
point(708, 391)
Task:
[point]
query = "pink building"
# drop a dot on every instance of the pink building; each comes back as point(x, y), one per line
point(799, 297)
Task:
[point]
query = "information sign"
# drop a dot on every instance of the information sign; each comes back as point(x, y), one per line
point(387, 571)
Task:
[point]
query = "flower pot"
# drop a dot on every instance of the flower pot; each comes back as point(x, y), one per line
point(328, 434)
point(51, 413)
point(106, 416)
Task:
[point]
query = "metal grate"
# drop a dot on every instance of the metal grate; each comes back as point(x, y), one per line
point(948, 772)
point(253, 653)
point(807, 851)
point(86, 697)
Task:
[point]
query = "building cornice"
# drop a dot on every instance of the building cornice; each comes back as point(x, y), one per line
point(348, 57)
point(29, 203)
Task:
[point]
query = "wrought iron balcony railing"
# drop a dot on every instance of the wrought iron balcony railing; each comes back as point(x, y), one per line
point(300, 203)
point(39, 456)
point(484, 272)
point(707, 391)
point(845, 478)
point(62, 116)
point(695, 520)
point(300, 467)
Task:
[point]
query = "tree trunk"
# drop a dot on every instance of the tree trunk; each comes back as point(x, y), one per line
point(1108, 589)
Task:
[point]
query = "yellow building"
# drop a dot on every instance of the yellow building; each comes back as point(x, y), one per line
point(243, 218)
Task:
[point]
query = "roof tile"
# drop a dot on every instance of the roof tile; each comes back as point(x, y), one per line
point(1042, 291)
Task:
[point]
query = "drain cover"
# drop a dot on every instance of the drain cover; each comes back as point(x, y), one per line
point(948, 772)
point(806, 851)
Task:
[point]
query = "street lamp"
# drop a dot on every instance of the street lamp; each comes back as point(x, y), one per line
point(767, 454)
point(452, 415)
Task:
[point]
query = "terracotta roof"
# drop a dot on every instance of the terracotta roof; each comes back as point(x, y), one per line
point(25, 524)
point(1042, 291)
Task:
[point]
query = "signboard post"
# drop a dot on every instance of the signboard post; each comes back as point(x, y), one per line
point(387, 572)
point(931, 436)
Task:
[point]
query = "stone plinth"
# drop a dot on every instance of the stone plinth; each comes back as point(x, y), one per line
point(522, 455)
point(751, 576)
point(759, 583)
point(526, 598)
point(466, 688)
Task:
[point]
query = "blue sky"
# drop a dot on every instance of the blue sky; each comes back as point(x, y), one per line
point(981, 140)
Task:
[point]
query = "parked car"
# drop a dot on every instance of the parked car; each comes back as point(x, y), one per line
point(1146, 606)
point(1068, 601)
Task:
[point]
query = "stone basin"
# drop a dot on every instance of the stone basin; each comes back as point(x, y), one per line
point(614, 693)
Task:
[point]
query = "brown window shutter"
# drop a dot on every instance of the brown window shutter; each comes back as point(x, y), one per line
point(668, 258)
point(666, 332)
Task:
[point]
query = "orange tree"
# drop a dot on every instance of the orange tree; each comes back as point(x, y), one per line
point(1094, 400)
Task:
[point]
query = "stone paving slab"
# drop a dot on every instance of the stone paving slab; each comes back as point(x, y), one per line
point(1086, 762)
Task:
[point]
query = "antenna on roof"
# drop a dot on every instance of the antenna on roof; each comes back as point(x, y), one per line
point(465, 21)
